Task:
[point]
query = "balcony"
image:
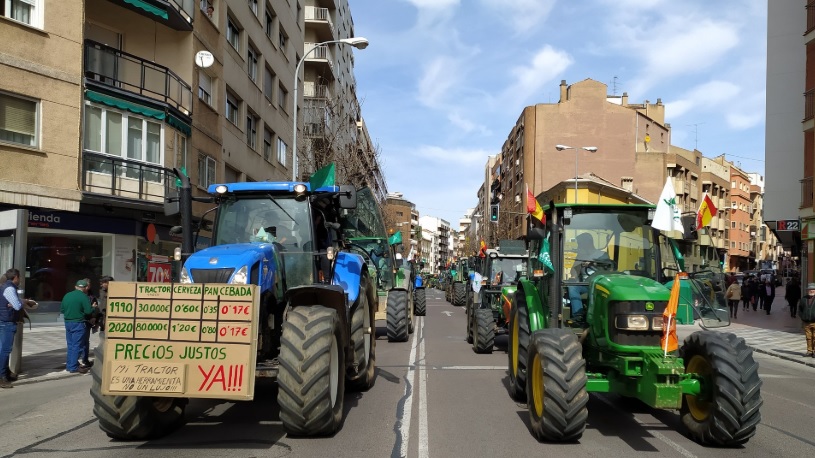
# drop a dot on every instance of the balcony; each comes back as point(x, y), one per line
point(124, 178)
point(316, 91)
point(109, 67)
point(809, 104)
point(806, 193)
point(810, 16)
point(321, 56)
point(175, 14)
point(319, 19)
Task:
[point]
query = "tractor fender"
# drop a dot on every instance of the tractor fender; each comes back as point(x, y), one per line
point(330, 296)
point(348, 270)
point(528, 293)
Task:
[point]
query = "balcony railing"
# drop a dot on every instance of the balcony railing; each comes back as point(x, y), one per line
point(119, 177)
point(115, 68)
point(320, 15)
point(806, 193)
point(321, 54)
point(810, 16)
point(317, 91)
point(809, 104)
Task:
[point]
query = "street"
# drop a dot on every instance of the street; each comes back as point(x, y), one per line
point(433, 397)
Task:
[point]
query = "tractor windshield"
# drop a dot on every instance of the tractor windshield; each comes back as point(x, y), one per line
point(507, 271)
point(620, 241)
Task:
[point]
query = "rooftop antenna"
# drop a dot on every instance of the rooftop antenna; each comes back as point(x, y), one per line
point(695, 134)
point(614, 85)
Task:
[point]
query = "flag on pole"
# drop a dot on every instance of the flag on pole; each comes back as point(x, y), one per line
point(706, 212)
point(544, 257)
point(533, 207)
point(670, 341)
point(667, 216)
point(395, 239)
point(323, 177)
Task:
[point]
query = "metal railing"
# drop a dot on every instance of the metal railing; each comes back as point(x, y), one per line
point(119, 69)
point(809, 104)
point(322, 53)
point(317, 91)
point(120, 177)
point(314, 13)
point(806, 193)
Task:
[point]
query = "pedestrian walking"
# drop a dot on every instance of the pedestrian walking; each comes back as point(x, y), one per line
point(754, 292)
point(76, 309)
point(745, 294)
point(806, 310)
point(9, 306)
point(768, 295)
point(793, 295)
point(733, 296)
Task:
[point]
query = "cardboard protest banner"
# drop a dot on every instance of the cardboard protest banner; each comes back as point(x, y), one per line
point(181, 340)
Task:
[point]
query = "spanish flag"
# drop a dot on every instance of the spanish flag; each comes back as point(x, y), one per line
point(670, 341)
point(706, 212)
point(533, 207)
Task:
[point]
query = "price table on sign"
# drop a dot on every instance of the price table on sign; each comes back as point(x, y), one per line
point(205, 334)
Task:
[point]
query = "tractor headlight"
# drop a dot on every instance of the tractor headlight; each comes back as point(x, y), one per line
point(240, 276)
point(656, 324)
point(185, 276)
point(631, 322)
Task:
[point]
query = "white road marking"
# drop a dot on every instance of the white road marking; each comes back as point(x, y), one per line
point(767, 393)
point(448, 313)
point(404, 428)
point(682, 450)
point(423, 434)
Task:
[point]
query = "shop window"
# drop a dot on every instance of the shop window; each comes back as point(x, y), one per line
point(54, 263)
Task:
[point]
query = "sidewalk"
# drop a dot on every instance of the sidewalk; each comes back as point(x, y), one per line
point(44, 353)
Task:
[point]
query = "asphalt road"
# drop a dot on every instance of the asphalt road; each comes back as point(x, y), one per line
point(433, 397)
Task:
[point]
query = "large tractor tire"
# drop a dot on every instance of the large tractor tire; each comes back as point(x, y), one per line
point(420, 302)
point(312, 372)
point(133, 417)
point(364, 342)
point(459, 294)
point(517, 349)
point(729, 411)
point(556, 386)
point(468, 310)
point(397, 319)
point(484, 331)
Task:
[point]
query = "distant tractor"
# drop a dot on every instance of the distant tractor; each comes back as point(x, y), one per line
point(591, 320)
point(488, 311)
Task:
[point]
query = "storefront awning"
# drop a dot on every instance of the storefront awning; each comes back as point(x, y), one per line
point(143, 5)
point(124, 105)
point(180, 125)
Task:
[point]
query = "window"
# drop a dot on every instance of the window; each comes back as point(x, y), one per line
point(232, 107)
point(251, 130)
point(268, 83)
point(267, 144)
point(282, 38)
point(233, 34)
point(733, 185)
point(252, 63)
point(269, 23)
point(281, 151)
point(205, 87)
point(206, 170)
point(207, 9)
point(18, 120)
point(282, 95)
point(253, 5)
point(25, 11)
point(181, 152)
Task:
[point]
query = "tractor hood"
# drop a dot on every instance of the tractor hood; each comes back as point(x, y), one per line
point(619, 287)
point(234, 256)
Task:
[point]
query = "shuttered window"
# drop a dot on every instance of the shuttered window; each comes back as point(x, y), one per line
point(18, 120)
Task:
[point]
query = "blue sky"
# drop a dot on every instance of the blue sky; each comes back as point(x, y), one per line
point(443, 81)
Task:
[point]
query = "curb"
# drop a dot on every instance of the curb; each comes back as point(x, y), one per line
point(46, 378)
point(810, 363)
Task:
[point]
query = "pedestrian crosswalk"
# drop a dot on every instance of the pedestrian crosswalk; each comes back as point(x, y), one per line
point(43, 339)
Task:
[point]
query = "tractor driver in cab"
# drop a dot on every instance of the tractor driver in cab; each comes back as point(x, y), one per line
point(585, 263)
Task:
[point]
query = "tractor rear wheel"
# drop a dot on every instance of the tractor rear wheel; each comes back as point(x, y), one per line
point(397, 319)
point(556, 386)
point(133, 417)
point(468, 310)
point(728, 411)
point(517, 349)
point(312, 372)
point(420, 302)
point(484, 332)
point(364, 342)
point(459, 294)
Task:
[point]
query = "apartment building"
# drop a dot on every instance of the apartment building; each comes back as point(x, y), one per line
point(443, 244)
point(740, 256)
point(401, 215)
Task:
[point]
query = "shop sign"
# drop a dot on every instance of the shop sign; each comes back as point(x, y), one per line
point(159, 272)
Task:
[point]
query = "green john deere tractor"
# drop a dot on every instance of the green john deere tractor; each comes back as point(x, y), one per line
point(590, 319)
point(459, 291)
point(488, 311)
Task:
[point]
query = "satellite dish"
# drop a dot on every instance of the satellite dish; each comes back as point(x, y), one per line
point(204, 59)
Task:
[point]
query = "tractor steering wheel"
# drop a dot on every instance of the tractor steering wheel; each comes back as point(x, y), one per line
point(589, 267)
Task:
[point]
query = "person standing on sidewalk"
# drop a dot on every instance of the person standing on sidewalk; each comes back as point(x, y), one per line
point(768, 294)
point(9, 306)
point(76, 308)
point(745, 294)
point(733, 296)
point(793, 295)
point(806, 310)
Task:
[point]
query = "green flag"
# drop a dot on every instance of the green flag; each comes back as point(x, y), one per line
point(395, 239)
point(544, 256)
point(323, 177)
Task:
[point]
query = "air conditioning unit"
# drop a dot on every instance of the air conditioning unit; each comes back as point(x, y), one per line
point(735, 206)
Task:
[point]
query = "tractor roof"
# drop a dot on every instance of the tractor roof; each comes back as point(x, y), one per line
point(268, 186)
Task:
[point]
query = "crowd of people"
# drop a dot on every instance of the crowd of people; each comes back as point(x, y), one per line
point(754, 293)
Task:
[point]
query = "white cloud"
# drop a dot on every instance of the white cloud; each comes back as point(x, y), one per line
point(433, 4)
point(438, 78)
point(453, 156)
point(712, 95)
point(522, 15)
point(545, 66)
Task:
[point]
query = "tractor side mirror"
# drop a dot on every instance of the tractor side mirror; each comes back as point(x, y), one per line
point(348, 196)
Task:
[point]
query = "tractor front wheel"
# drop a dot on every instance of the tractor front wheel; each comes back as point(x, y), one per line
point(484, 332)
point(420, 302)
point(517, 349)
point(727, 411)
point(397, 319)
point(312, 372)
point(556, 386)
point(364, 342)
point(459, 294)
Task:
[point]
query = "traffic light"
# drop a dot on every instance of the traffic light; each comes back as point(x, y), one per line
point(494, 213)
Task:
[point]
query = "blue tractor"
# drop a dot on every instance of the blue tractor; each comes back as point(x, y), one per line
point(316, 327)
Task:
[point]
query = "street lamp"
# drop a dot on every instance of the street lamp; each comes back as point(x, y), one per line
point(591, 149)
point(357, 42)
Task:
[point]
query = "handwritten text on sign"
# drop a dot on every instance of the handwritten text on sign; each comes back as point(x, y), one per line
point(190, 340)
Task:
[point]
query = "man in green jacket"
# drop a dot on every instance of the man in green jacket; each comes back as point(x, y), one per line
point(76, 308)
point(806, 310)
